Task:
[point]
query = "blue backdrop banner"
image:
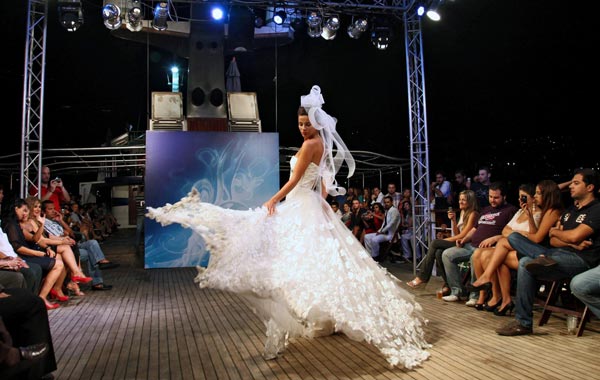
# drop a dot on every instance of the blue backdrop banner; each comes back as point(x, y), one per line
point(237, 170)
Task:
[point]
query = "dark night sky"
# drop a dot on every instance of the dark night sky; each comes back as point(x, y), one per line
point(505, 86)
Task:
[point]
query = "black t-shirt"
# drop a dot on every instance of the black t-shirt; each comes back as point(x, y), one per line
point(588, 215)
point(482, 192)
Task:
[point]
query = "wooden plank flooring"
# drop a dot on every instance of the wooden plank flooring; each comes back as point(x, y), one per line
point(157, 324)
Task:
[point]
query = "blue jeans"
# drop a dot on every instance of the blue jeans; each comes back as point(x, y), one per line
point(94, 251)
point(93, 269)
point(569, 265)
point(451, 257)
point(526, 247)
point(586, 287)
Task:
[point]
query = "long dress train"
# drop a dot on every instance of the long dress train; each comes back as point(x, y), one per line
point(303, 272)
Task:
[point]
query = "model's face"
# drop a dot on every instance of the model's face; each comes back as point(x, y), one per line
point(305, 127)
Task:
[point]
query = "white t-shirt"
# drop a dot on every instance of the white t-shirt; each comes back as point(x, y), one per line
point(5, 246)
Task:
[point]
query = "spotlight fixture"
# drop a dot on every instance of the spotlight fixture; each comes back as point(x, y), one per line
point(134, 17)
point(161, 13)
point(279, 17)
point(315, 27)
point(260, 17)
point(381, 36)
point(432, 12)
point(331, 27)
point(217, 13)
point(111, 14)
point(70, 14)
point(420, 10)
point(357, 28)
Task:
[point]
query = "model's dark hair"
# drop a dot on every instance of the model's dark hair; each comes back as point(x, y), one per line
point(302, 111)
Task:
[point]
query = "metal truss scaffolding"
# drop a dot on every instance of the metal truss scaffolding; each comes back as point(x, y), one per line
point(33, 96)
point(419, 148)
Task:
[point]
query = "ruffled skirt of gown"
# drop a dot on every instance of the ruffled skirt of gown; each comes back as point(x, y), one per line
point(304, 273)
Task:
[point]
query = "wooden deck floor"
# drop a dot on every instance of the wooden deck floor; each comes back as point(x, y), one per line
point(156, 324)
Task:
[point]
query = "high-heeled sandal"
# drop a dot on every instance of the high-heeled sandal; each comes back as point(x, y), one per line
point(54, 294)
point(74, 288)
point(492, 308)
point(81, 279)
point(508, 308)
point(50, 306)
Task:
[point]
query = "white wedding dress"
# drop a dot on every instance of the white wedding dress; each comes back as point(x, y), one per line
point(304, 272)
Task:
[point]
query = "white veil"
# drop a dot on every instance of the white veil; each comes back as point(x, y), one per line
point(325, 124)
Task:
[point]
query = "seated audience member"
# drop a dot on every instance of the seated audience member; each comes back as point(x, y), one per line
point(574, 248)
point(347, 215)
point(386, 231)
point(486, 232)
point(52, 269)
point(27, 330)
point(537, 215)
point(335, 207)
point(356, 221)
point(372, 221)
point(31, 273)
point(586, 287)
point(469, 213)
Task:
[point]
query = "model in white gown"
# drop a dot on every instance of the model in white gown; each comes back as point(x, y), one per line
point(303, 271)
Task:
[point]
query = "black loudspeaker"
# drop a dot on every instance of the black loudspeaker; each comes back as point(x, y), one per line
point(240, 31)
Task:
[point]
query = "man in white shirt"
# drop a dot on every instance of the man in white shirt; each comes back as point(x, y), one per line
point(386, 231)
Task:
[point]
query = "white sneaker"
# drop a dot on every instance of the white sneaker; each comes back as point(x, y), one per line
point(451, 298)
point(471, 302)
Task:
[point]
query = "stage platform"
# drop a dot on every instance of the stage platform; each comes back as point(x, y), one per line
point(157, 324)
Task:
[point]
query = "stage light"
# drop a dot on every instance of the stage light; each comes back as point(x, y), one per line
point(357, 28)
point(279, 17)
point(111, 14)
point(314, 25)
point(134, 17)
point(175, 82)
point(420, 10)
point(217, 13)
point(260, 17)
point(161, 14)
point(331, 27)
point(70, 14)
point(381, 36)
point(432, 12)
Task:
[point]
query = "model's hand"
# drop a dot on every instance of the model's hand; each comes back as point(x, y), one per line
point(270, 206)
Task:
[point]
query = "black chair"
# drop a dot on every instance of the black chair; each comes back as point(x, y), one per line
point(558, 298)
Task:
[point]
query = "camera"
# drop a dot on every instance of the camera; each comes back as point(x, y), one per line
point(523, 198)
point(57, 179)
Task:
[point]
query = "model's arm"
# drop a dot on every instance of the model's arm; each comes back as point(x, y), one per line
point(305, 157)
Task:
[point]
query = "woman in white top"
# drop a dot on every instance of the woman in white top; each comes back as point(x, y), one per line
point(469, 214)
point(537, 215)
